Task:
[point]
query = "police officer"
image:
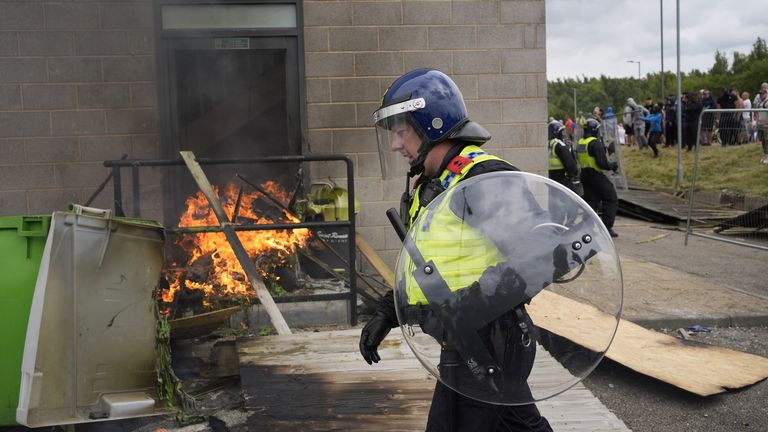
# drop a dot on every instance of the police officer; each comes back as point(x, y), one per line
point(423, 120)
point(562, 163)
point(597, 187)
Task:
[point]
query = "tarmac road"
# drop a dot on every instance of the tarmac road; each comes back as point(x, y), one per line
point(645, 404)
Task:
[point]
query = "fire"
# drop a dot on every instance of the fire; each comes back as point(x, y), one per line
point(225, 277)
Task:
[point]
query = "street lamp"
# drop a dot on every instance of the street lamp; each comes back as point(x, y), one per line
point(638, 67)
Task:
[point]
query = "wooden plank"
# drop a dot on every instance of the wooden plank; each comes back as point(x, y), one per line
point(698, 368)
point(249, 268)
point(201, 324)
point(370, 254)
point(319, 382)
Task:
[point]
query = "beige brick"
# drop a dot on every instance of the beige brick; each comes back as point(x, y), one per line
point(73, 69)
point(24, 177)
point(318, 90)
point(476, 62)
point(365, 112)
point(452, 37)
point(393, 190)
point(507, 135)
point(377, 13)
point(531, 85)
point(141, 41)
point(374, 214)
point(66, 123)
point(329, 64)
point(145, 146)
point(527, 60)
point(18, 70)
point(524, 110)
point(9, 45)
point(330, 115)
point(84, 174)
point(10, 97)
point(103, 96)
point(24, 124)
point(475, 12)
point(403, 38)
point(50, 200)
point(320, 141)
point(543, 85)
point(501, 86)
point(129, 68)
point(13, 203)
point(533, 160)
point(440, 60)
point(53, 43)
point(355, 90)
point(422, 12)
point(103, 148)
point(11, 151)
point(517, 12)
point(106, 42)
point(467, 84)
point(379, 64)
point(21, 16)
point(51, 149)
point(126, 16)
point(508, 36)
point(132, 121)
point(484, 112)
point(541, 36)
point(316, 39)
point(353, 39)
point(323, 170)
point(368, 165)
point(322, 13)
point(71, 15)
point(536, 134)
point(143, 94)
point(354, 140)
point(368, 189)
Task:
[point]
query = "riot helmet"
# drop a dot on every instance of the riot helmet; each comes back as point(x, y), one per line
point(592, 128)
point(424, 105)
point(555, 130)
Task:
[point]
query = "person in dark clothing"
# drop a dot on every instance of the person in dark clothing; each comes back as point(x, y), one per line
point(423, 119)
point(597, 187)
point(691, 112)
point(708, 119)
point(729, 121)
point(563, 167)
point(670, 121)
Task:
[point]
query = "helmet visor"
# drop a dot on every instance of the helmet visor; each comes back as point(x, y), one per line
point(398, 141)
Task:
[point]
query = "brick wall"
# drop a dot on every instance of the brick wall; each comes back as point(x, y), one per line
point(77, 86)
point(494, 50)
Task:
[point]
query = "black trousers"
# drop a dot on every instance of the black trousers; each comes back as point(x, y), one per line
point(504, 340)
point(598, 189)
point(475, 416)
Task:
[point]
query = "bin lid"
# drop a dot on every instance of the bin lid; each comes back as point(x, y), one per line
point(90, 344)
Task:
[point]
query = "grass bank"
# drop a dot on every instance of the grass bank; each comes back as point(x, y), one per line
point(735, 169)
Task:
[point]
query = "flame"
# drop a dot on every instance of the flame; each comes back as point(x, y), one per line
point(225, 277)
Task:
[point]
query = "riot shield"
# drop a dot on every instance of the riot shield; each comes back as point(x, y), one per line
point(508, 288)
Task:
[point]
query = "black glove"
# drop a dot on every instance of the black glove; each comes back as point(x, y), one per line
point(373, 333)
point(614, 166)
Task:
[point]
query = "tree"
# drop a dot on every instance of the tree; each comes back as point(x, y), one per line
point(759, 50)
point(721, 64)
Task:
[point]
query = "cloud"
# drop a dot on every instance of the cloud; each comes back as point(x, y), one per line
point(590, 38)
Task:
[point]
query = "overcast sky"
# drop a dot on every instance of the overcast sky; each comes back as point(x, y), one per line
point(593, 37)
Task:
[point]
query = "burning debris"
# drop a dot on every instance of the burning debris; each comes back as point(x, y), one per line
point(203, 268)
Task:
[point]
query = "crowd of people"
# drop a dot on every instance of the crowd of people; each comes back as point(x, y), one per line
point(580, 151)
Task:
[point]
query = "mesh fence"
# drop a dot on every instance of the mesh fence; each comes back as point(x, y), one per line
point(723, 130)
